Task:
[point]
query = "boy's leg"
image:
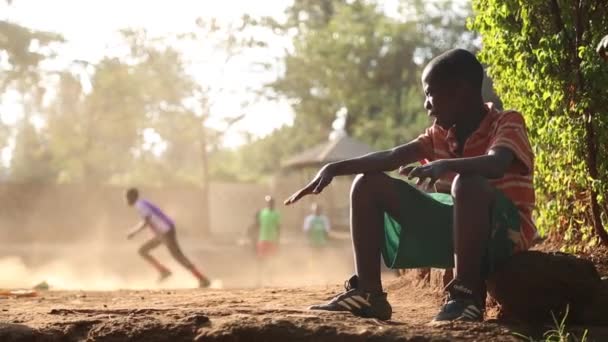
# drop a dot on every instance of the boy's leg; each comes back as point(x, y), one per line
point(170, 240)
point(267, 258)
point(260, 263)
point(372, 195)
point(144, 252)
point(473, 199)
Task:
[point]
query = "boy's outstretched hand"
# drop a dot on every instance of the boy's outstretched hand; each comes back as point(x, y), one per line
point(432, 171)
point(321, 180)
point(602, 48)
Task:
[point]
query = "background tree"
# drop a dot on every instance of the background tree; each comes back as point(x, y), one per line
point(351, 54)
point(541, 55)
point(133, 125)
point(140, 116)
point(22, 51)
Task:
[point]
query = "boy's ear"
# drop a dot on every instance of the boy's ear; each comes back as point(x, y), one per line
point(464, 88)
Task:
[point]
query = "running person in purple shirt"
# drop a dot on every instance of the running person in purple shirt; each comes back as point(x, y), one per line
point(164, 233)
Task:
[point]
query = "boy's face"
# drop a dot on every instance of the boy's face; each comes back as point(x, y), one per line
point(443, 99)
point(130, 199)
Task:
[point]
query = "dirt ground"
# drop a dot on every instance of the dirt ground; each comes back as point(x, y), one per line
point(268, 314)
point(237, 312)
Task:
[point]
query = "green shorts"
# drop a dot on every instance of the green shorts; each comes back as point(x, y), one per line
point(423, 236)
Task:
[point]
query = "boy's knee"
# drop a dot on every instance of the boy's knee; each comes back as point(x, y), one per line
point(365, 182)
point(468, 186)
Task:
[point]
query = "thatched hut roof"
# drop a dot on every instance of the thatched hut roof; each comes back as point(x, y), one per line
point(341, 148)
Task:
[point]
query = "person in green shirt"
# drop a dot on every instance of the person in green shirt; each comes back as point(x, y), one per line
point(316, 227)
point(317, 232)
point(267, 231)
point(269, 228)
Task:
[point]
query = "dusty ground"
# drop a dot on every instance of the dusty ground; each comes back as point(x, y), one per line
point(272, 314)
point(239, 312)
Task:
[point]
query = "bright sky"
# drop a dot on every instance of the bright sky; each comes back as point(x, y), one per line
point(90, 28)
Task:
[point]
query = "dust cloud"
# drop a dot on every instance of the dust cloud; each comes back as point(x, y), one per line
point(120, 267)
point(74, 238)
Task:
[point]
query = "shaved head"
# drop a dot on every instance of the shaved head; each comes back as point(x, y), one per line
point(452, 87)
point(455, 65)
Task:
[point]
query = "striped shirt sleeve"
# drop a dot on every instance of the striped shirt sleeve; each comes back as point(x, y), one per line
point(425, 141)
point(510, 132)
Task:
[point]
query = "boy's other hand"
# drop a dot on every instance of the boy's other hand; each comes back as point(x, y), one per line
point(321, 180)
point(602, 48)
point(432, 171)
point(405, 170)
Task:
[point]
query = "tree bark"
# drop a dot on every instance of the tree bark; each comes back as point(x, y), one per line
point(590, 135)
point(591, 161)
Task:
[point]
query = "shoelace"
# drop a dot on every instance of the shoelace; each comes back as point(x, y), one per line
point(347, 288)
point(347, 285)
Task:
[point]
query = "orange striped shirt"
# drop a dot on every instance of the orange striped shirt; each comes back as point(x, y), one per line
point(504, 129)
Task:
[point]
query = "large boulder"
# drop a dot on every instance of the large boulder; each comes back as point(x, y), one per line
point(532, 286)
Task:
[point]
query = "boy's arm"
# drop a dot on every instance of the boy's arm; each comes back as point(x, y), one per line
point(140, 226)
point(492, 165)
point(509, 147)
point(387, 160)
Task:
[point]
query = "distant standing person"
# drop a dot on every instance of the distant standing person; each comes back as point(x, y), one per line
point(164, 233)
point(316, 230)
point(269, 227)
point(316, 227)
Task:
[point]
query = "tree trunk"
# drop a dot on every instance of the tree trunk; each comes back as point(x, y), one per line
point(591, 161)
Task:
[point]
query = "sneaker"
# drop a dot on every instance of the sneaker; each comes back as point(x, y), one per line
point(358, 302)
point(204, 283)
point(460, 310)
point(164, 275)
point(460, 305)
